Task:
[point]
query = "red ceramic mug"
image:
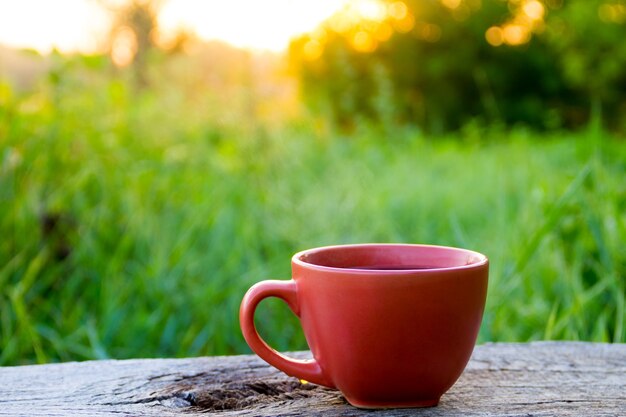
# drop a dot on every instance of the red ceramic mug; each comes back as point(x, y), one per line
point(389, 325)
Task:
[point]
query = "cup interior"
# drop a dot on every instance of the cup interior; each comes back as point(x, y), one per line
point(391, 257)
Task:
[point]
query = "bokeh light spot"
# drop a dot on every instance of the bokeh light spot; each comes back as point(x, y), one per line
point(363, 41)
point(430, 32)
point(605, 12)
point(516, 34)
point(494, 36)
point(534, 9)
point(405, 25)
point(124, 46)
point(397, 10)
point(612, 13)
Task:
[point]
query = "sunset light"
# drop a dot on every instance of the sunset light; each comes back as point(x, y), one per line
point(267, 24)
point(67, 25)
point(82, 25)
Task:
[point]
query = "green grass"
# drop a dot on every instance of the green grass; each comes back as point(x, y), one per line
point(169, 215)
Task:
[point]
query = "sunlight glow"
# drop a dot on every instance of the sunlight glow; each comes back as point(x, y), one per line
point(124, 47)
point(365, 24)
point(369, 9)
point(267, 24)
point(528, 18)
point(313, 49)
point(398, 10)
point(405, 25)
point(82, 25)
point(363, 41)
point(383, 32)
point(67, 25)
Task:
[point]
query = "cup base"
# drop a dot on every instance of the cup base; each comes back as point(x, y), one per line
point(392, 404)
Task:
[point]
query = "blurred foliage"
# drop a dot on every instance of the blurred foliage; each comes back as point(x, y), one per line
point(438, 64)
point(135, 218)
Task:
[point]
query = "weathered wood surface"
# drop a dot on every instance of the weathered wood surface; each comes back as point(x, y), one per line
point(546, 378)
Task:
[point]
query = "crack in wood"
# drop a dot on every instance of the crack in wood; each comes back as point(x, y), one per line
point(239, 395)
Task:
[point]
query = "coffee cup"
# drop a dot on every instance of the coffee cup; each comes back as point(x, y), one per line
point(389, 325)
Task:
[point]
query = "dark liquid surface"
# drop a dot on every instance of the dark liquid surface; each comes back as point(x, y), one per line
point(392, 267)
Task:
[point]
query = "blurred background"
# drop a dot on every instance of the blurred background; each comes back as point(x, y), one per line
point(159, 157)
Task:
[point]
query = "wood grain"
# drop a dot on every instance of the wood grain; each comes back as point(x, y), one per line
point(543, 378)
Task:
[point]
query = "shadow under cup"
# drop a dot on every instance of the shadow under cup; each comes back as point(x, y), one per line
point(390, 325)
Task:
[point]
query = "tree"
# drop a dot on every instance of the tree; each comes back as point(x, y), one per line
point(538, 62)
point(133, 33)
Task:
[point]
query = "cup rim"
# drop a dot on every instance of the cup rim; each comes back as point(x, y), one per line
point(297, 259)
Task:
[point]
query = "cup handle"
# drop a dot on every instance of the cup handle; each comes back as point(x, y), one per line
point(308, 370)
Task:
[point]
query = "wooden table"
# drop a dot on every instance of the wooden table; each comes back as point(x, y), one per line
point(543, 378)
